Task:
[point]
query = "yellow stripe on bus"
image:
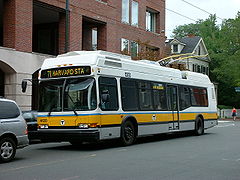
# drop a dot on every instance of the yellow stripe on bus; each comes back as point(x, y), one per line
point(115, 119)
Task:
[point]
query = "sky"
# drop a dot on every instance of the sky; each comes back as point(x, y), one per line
point(223, 9)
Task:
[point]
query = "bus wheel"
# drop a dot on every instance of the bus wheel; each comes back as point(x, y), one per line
point(7, 149)
point(199, 127)
point(128, 134)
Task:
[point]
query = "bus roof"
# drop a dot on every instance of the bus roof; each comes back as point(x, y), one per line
point(122, 62)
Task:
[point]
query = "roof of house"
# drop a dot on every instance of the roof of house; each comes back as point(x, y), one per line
point(190, 43)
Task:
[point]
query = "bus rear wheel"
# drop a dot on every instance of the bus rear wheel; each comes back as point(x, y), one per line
point(199, 127)
point(128, 133)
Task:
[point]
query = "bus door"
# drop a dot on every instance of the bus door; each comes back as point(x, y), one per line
point(173, 105)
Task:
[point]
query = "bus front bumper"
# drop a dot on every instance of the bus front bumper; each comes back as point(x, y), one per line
point(59, 135)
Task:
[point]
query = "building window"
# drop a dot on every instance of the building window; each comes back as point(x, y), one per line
point(94, 39)
point(203, 69)
point(151, 19)
point(124, 46)
point(207, 71)
point(134, 13)
point(134, 49)
point(129, 47)
point(175, 48)
point(125, 11)
point(198, 68)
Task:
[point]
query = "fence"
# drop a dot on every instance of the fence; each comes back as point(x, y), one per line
point(227, 113)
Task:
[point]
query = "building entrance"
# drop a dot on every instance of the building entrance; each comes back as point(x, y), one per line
point(94, 35)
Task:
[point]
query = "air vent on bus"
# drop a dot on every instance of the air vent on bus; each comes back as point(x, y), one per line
point(114, 64)
point(112, 58)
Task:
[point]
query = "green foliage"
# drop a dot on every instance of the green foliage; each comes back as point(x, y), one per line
point(224, 107)
point(223, 44)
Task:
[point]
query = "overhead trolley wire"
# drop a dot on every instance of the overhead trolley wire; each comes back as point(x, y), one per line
point(181, 15)
point(200, 9)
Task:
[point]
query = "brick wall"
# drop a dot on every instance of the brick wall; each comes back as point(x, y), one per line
point(17, 24)
point(18, 19)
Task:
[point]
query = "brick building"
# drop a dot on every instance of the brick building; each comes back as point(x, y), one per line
point(32, 30)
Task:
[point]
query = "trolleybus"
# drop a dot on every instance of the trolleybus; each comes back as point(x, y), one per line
point(89, 96)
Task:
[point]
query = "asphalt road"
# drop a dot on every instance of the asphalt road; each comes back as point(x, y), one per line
point(215, 155)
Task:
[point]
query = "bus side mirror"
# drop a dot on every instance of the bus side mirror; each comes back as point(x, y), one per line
point(24, 85)
point(105, 96)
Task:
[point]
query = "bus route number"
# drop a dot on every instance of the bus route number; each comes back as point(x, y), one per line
point(127, 74)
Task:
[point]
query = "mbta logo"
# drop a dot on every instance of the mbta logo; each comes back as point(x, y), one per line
point(62, 122)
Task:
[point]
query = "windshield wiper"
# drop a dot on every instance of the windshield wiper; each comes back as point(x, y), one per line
point(51, 109)
point(75, 112)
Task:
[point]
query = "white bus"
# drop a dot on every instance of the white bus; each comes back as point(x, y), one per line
point(98, 95)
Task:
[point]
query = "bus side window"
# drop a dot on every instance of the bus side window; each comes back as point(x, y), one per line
point(159, 96)
point(145, 95)
point(129, 93)
point(199, 97)
point(185, 100)
point(108, 85)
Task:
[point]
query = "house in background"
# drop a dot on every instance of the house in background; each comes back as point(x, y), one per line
point(191, 52)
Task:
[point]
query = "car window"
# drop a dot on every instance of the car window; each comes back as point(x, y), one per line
point(30, 116)
point(8, 110)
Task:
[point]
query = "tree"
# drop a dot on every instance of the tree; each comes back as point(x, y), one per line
point(146, 51)
point(223, 44)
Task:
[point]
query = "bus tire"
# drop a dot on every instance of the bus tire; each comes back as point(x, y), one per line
point(199, 126)
point(7, 149)
point(128, 133)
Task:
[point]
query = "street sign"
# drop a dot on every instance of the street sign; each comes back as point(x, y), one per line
point(237, 89)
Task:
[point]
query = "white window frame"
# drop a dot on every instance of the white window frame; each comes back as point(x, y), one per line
point(134, 13)
point(125, 11)
point(151, 21)
point(122, 44)
point(131, 46)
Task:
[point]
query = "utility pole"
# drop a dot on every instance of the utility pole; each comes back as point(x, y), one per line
point(67, 27)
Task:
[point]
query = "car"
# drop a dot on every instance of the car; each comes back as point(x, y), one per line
point(31, 119)
point(13, 130)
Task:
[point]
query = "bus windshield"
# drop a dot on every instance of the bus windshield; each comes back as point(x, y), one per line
point(80, 94)
point(67, 95)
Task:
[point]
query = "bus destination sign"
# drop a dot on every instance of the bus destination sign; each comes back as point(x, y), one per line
point(66, 71)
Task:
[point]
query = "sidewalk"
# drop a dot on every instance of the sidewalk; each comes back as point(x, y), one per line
point(228, 119)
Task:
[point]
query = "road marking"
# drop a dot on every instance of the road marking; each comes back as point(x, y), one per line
point(44, 164)
point(225, 125)
point(225, 121)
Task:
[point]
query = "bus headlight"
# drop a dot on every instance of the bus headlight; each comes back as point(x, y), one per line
point(43, 126)
point(83, 126)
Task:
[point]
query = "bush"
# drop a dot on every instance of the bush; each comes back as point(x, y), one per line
point(224, 107)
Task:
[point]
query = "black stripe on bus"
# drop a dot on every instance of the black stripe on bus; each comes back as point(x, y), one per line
point(118, 125)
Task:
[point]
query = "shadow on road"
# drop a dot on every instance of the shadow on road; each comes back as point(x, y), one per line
point(110, 144)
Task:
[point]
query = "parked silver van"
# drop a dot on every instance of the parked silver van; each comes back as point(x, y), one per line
point(13, 130)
